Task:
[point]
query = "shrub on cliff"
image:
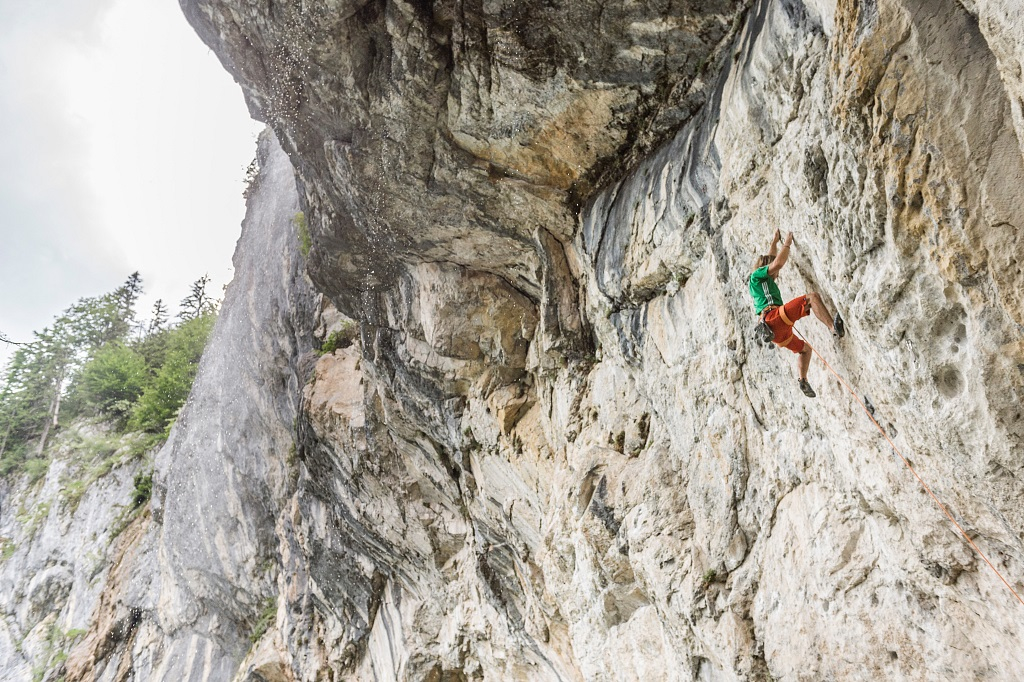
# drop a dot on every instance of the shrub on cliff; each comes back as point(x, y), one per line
point(340, 338)
point(302, 227)
point(113, 379)
point(159, 403)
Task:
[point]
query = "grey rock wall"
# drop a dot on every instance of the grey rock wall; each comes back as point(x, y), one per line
point(226, 473)
point(490, 118)
point(57, 558)
point(180, 593)
point(552, 450)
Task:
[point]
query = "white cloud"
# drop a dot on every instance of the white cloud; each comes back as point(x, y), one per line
point(126, 144)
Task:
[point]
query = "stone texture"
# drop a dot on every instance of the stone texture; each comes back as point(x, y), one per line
point(640, 494)
point(226, 474)
point(554, 452)
point(485, 120)
point(179, 593)
point(64, 555)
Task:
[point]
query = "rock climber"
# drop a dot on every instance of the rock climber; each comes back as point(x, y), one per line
point(781, 318)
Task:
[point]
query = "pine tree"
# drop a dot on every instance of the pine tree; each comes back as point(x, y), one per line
point(13, 399)
point(160, 316)
point(34, 383)
point(127, 296)
point(183, 347)
point(89, 362)
point(128, 293)
point(57, 354)
point(252, 177)
point(95, 321)
point(197, 303)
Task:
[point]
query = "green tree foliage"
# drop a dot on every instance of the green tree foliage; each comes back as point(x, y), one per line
point(305, 241)
point(34, 383)
point(341, 338)
point(98, 359)
point(113, 379)
point(143, 489)
point(159, 403)
point(20, 399)
point(95, 327)
point(252, 177)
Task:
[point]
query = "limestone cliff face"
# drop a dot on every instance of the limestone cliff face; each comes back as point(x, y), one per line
point(553, 451)
point(91, 592)
point(60, 553)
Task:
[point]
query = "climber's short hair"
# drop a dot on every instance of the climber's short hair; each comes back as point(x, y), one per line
point(762, 261)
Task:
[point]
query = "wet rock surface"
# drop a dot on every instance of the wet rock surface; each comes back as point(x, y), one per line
point(552, 450)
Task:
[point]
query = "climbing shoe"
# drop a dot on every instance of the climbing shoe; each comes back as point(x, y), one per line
point(806, 388)
point(838, 327)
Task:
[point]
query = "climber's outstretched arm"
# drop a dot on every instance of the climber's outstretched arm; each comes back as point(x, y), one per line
point(780, 259)
point(773, 250)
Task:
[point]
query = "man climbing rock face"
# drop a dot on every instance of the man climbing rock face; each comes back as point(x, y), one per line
point(781, 318)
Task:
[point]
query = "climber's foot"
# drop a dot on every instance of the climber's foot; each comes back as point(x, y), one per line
point(838, 327)
point(806, 388)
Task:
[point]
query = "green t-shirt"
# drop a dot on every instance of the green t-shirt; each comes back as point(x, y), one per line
point(764, 290)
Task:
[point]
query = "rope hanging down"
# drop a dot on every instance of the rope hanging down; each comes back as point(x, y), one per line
point(913, 471)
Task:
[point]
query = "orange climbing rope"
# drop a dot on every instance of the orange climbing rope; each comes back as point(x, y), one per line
point(913, 471)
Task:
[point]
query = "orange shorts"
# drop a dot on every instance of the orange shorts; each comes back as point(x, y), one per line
point(794, 310)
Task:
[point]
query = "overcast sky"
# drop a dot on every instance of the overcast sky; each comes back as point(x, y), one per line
point(123, 147)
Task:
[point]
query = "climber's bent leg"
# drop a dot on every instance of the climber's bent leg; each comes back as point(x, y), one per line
point(818, 308)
